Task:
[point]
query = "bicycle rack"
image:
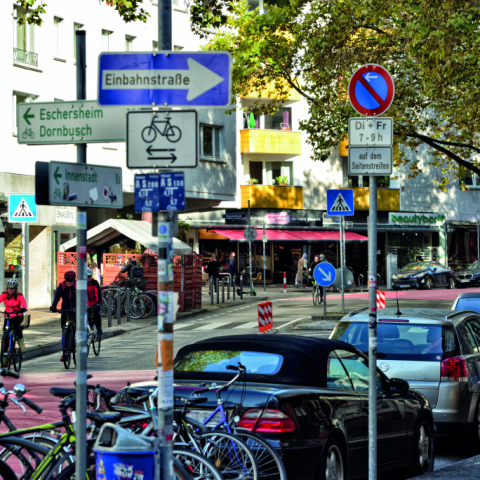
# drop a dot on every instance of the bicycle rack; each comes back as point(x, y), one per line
point(360, 282)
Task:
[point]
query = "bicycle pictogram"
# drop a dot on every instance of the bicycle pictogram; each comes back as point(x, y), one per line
point(171, 132)
point(57, 193)
point(28, 133)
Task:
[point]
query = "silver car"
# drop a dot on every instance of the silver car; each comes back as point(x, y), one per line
point(436, 351)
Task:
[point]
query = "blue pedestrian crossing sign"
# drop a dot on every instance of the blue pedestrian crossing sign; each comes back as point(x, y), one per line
point(22, 208)
point(324, 274)
point(340, 202)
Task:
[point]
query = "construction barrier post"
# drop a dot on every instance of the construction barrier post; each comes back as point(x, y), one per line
point(261, 317)
point(380, 299)
point(284, 282)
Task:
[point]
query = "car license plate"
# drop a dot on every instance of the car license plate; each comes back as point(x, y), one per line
point(465, 281)
point(404, 286)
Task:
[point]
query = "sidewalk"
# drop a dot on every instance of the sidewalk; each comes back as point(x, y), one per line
point(465, 470)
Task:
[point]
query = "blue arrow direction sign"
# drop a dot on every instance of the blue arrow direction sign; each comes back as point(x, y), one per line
point(340, 202)
point(147, 193)
point(172, 191)
point(165, 78)
point(22, 208)
point(324, 274)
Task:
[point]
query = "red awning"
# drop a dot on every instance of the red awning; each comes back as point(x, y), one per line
point(293, 235)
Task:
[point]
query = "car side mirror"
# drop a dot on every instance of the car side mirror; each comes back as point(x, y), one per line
point(434, 269)
point(397, 385)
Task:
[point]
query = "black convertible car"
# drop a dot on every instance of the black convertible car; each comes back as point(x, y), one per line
point(423, 275)
point(309, 398)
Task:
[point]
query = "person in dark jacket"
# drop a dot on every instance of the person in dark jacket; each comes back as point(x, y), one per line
point(128, 268)
point(67, 292)
point(94, 299)
point(232, 265)
point(212, 269)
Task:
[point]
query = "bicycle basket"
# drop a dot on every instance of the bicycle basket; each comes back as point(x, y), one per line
point(25, 323)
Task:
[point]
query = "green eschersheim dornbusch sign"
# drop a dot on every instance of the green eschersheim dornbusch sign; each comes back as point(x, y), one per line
point(417, 219)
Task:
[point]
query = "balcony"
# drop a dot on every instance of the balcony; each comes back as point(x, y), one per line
point(269, 196)
point(257, 140)
point(25, 58)
point(269, 93)
point(388, 199)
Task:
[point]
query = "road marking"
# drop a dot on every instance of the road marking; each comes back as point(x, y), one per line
point(211, 326)
point(284, 325)
point(247, 325)
point(181, 325)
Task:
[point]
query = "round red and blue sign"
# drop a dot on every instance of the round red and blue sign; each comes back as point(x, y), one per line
point(371, 90)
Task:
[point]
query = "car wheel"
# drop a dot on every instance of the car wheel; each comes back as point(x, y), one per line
point(423, 456)
point(429, 283)
point(332, 462)
point(451, 283)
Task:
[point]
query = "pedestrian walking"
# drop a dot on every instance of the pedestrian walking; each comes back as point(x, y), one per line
point(212, 269)
point(232, 265)
point(302, 271)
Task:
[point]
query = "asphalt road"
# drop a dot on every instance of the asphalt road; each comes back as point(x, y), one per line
point(130, 357)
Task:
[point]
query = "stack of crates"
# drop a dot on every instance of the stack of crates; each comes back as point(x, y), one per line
point(177, 286)
point(187, 282)
point(197, 281)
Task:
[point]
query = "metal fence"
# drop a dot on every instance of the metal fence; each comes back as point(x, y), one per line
point(27, 58)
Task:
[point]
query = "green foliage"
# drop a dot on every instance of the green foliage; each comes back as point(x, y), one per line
point(282, 180)
point(129, 10)
point(252, 181)
point(430, 48)
point(183, 226)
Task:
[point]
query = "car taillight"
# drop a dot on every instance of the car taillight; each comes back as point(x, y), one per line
point(454, 369)
point(271, 421)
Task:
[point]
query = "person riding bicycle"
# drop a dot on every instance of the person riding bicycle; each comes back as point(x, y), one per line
point(67, 291)
point(15, 302)
point(315, 262)
point(94, 299)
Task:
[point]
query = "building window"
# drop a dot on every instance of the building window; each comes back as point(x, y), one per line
point(154, 45)
point(106, 40)
point(472, 180)
point(76, 26)
point(19, 97)
point(129, 43)
point(280, 120)
point(279, 173)
point(58, 27)
point(211, 142)
point(24, 41)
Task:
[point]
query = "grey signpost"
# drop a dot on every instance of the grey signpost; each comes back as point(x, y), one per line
point(264, 241)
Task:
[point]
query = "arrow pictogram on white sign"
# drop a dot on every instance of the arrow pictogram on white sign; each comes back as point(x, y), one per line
point(340, 205)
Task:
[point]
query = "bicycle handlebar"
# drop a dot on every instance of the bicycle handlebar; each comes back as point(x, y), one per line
point(8, 314)
point(7, 373)
point(240, 369)
point(31, 404)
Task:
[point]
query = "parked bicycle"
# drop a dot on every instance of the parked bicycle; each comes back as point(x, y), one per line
point(11, 353)
point(69, 342)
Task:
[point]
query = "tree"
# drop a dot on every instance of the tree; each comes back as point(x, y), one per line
point(429, 47)
point(129, 10)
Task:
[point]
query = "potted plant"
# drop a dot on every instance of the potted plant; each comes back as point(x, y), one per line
point(384, 182)
point(252, 181)
point(282, 181)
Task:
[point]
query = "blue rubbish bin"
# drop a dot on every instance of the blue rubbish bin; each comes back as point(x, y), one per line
point(123, 455)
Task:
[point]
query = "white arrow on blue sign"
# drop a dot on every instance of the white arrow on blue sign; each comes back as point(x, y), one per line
point(165, 78)
point(324, 274)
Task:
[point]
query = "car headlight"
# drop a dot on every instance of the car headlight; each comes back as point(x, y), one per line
point(419, 275)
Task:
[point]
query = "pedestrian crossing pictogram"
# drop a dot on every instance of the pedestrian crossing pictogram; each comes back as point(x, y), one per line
point(340, 205)
point(23, 210)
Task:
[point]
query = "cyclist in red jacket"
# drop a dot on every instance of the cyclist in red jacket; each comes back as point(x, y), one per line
point(94, 299)
point(15, 302)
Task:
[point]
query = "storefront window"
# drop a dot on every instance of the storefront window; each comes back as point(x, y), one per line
point(410, 247)
point(13, 253)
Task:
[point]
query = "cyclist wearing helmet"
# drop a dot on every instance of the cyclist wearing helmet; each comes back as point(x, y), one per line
point(94, 299)
point(15, 302)
point(67, 291)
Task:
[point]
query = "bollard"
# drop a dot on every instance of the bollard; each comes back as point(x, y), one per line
point(284, 282)
point(379, 277)
point(233, 290)
point(211, 289)
point(229, 284)
point(109, 306)
point(360, 282)
point(127, 303)
point(241, 287)
point(217, 287)
point(223, 289)
point(119, 308)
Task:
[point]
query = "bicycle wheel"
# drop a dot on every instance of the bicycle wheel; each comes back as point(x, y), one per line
point(270, 464)
point(137, 307)
point(314, 294)
point(179, 471)
point(149, 134)
point(173, 134)
point(6, 472)
point(17, 359)
point(199, 467)
point(96, 341)
point(149, 305)
point(67, 352)
point(4, 352)
point(230, 455)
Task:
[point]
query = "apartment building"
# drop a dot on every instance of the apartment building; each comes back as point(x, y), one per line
point(43, 69)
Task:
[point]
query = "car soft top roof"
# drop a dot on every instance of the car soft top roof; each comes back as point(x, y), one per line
point(304, 359)
point(470, 295)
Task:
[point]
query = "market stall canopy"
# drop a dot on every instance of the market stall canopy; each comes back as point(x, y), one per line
point(138, 231)
point(236, 235)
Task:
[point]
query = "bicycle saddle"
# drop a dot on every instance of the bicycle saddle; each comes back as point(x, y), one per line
point(138, 393)
point(62, 392)
point(191, 401)
point(100, 418)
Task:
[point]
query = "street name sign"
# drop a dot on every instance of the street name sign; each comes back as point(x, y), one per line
point(364, 132)
point(371, 90)
point(324, 274)
point(147, 193)
point(165, 138)
point(79, 185)
point(83, 121)
point(22, 207)
point(340, 202)
point(373, 161)
point(165, 78)
point(172, 191)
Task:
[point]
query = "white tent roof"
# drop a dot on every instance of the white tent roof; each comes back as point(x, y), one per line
point(136, 230)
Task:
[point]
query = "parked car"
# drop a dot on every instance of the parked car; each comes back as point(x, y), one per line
point(467, 301)
point(470, 276)
point(423, 275)
point(309, 398)
point(437, 351)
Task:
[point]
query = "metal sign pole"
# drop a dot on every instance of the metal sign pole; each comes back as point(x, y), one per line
point(264, 265)
point(250, 253)
point(372, 332)
point(478, 239)
point(24, 268)
point(324, 302)
point(81, 304)
point(342, 260)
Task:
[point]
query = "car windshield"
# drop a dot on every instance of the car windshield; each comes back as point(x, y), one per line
point(475, 265)
point(402, 341)
point(468, 304)
point(415, 266)
point(259, 363)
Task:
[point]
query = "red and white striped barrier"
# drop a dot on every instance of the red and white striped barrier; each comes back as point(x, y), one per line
point(270, 314)
point(265, 316)
point(380, 299)
point(261, 316)
point(284, 282)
